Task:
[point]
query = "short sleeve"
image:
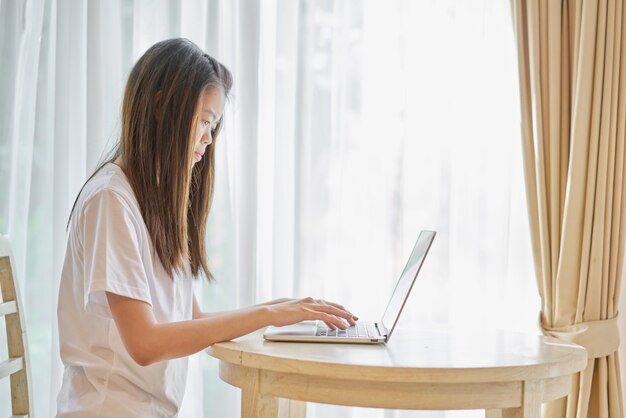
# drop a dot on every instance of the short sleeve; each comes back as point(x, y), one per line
point(111, 252)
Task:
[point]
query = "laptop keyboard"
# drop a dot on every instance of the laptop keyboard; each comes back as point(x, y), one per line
point(364, 330)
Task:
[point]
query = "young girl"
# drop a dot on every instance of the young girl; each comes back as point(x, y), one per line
point(127, 315)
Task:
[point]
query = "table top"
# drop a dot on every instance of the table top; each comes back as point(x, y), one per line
point(419, 356)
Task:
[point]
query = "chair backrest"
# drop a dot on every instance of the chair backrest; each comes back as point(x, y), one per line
point(17, 366)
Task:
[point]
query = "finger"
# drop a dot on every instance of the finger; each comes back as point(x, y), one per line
point(330, 326)
point(333, 320)
point(325, 302)
point(338, 306)
point(350, 319)
point(333, 311)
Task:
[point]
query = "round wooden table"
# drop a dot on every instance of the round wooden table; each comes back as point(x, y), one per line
point(507, 374)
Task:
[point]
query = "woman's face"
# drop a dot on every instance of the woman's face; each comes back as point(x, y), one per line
point(208, 115)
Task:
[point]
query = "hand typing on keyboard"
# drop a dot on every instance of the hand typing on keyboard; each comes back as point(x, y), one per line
point(358, 330)
point(290, 311)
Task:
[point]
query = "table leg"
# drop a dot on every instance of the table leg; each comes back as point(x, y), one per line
point(297, 409)
point(288, 408)
point(531, 404)
point(253, 403)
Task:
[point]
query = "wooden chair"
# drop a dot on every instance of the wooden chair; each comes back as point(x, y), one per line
point(17, 366)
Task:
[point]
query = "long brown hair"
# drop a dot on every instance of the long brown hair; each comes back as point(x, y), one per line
point(157, 146)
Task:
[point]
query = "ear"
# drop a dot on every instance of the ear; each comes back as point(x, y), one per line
point(218, 127)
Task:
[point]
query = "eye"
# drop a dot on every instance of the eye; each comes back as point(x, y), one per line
point(205, 123)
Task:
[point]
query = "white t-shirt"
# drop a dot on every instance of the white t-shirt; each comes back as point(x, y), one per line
point(109, 249)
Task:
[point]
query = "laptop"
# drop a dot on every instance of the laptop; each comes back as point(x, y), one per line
point(363, 332)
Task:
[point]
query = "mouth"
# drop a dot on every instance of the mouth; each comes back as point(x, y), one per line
point(197, 156)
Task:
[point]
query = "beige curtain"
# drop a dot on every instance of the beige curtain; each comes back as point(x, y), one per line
point(572, 60)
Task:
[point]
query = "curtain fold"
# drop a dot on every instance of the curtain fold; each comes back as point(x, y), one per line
point(573, 96)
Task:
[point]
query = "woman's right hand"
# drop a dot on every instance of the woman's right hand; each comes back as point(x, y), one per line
point(292, 311)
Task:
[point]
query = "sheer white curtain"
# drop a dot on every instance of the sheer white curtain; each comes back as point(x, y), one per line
point(352, 125)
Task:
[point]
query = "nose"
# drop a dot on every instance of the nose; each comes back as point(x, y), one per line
point(207, 138)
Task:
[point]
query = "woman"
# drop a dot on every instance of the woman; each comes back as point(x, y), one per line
point(127, 315)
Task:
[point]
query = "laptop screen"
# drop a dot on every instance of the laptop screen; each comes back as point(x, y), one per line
point(406, 280)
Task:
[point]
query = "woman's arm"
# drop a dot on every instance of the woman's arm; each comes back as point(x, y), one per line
point(198, 313)
point(148, 341)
